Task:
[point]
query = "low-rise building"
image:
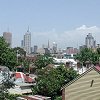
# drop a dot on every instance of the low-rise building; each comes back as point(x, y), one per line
point(84, 87)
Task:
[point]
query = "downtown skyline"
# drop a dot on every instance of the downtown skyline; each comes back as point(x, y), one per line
point(65, 22)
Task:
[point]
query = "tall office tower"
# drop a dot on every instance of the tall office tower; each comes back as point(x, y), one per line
point(8, 38)
point(32, 49)
point(35, 48)
point(54, 47)
point(89, 41)
point(27, 42)
point(22, 44)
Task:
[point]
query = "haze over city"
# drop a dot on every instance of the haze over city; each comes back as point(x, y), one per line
point(65, 22)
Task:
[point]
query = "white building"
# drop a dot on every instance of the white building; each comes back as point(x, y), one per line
point(89, 41)
point(27, 42)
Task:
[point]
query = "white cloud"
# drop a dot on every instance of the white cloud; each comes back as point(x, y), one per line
point(84, 27)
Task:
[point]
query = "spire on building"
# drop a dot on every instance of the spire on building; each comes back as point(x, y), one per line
point(8, 29)
point(28, 29)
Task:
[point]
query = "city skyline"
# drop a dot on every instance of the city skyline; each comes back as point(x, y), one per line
point(64, 22)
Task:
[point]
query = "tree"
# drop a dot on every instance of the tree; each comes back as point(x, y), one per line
point(58, 98)
point(21, 54)
point(7, 56)
point(98, 51)
point(50, 80)
point(20, 51)
point(42, 61)
point(89, 55)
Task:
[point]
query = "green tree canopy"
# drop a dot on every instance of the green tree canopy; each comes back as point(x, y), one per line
point(50, 81)
point(87, 54)
point(21, 54)
point(20, 51)
point(7, 56)
point(42, 61)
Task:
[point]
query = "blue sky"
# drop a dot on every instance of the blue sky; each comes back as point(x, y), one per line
point(49, 19)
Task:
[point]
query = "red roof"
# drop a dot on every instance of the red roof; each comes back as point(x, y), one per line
point(18, 75)
point(23, 76)
point(98, 68)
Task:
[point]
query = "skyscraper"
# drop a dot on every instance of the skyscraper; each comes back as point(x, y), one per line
point(8, 38)
point(54, 47)
point(22, 44)
point(35, 48)
point(27, 42)
point(89, 41)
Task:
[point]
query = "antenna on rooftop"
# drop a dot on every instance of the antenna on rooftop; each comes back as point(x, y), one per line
point(8, 29)
point(28, 29)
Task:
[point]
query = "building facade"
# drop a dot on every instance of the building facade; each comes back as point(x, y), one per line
point(27, 42)
point(54, 48)
point(8, 38)
point(35, 48)
point(89, 41)
point(84, 87)
point(71, 50)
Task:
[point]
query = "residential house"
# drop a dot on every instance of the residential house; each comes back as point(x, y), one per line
point(23, 83)
point(84, 87)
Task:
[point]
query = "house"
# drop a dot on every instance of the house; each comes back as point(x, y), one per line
point(19, 76)
point(21, 88)
point(23, 83)
point(84, 87)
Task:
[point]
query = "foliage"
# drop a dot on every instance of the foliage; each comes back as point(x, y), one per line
point(7, 56)
point(98, 51)
point(8, 96)
point(20, 54)
point(58, 98)
point(50, 80)
point(21, 58)
point(89, 55)
point(20, 51)
point(42, 61)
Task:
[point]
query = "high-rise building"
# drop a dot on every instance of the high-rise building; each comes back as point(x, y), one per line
point(54, 48)
point(27, 42)
point(8, 38)
point(71, 50)
point(35, 48)
point(22, 44)
point(89, 41)
point(32, 49)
